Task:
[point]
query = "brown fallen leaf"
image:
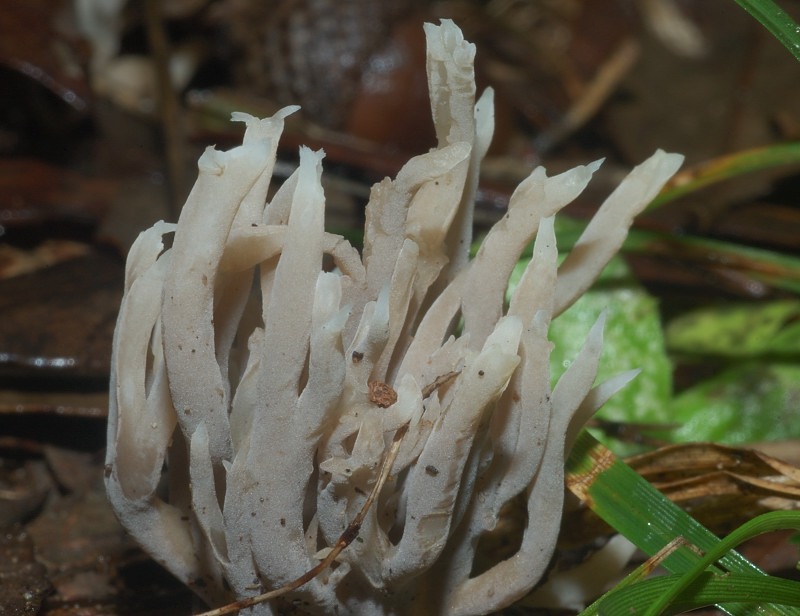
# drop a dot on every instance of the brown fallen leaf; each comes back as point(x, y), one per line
point(44, 101)
point(720, 485)
point(64, 404)
point(16, 261)
point(93, 567)
point(58, 322)
point(675, 465)
point(37, 193)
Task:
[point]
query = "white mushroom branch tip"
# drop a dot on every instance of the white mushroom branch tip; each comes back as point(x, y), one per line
point(340, 439)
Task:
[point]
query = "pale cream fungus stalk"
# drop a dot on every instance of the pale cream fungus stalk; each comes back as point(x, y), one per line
point(254, 395)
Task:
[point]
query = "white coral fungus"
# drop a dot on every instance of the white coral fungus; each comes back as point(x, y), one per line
point(249, 373)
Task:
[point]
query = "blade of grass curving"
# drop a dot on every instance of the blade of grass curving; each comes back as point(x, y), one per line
point(768, 267)
point(725, 168)
point(777, 21)
point(637, 575)
point(705, 590)
point(636, 509)
point(765, 266)
point(774, 520)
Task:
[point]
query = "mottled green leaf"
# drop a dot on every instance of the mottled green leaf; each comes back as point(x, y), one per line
point(750, 401)
point(745, 330)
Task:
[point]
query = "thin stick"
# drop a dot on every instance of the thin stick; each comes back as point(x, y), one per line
point(438, 382)
point(594, 95)
point(168, 105)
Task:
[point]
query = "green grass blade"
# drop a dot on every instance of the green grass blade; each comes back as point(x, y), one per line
point(768, 267)
point(777, 270)
point(774, 520)
point(637, 575)
point(703, 591)
point(636, 509)
point(777, 21)
point(725, 168)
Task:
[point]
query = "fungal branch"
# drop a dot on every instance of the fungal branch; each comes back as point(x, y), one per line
point(352, 530)
point(346, 538)
point(297, 412)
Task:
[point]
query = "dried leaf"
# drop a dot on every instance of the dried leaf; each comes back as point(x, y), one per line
point(34, 192)
point(60, 321)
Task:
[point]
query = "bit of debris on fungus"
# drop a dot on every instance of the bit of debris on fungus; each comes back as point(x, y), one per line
point(279, 397)
point(382, 394)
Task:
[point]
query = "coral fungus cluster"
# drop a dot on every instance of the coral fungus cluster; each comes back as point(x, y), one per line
point(255, 393)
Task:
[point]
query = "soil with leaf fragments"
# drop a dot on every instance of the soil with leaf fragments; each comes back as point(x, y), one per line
point(84, 169)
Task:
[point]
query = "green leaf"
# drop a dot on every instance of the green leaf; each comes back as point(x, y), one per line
point(727, 167)
point(744, 330)
point(748, 402)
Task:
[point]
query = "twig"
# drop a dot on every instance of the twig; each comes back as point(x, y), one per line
point(593, 97)
point(168, 108)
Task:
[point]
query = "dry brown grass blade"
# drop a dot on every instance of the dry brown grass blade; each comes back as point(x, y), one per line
point(694, 470)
